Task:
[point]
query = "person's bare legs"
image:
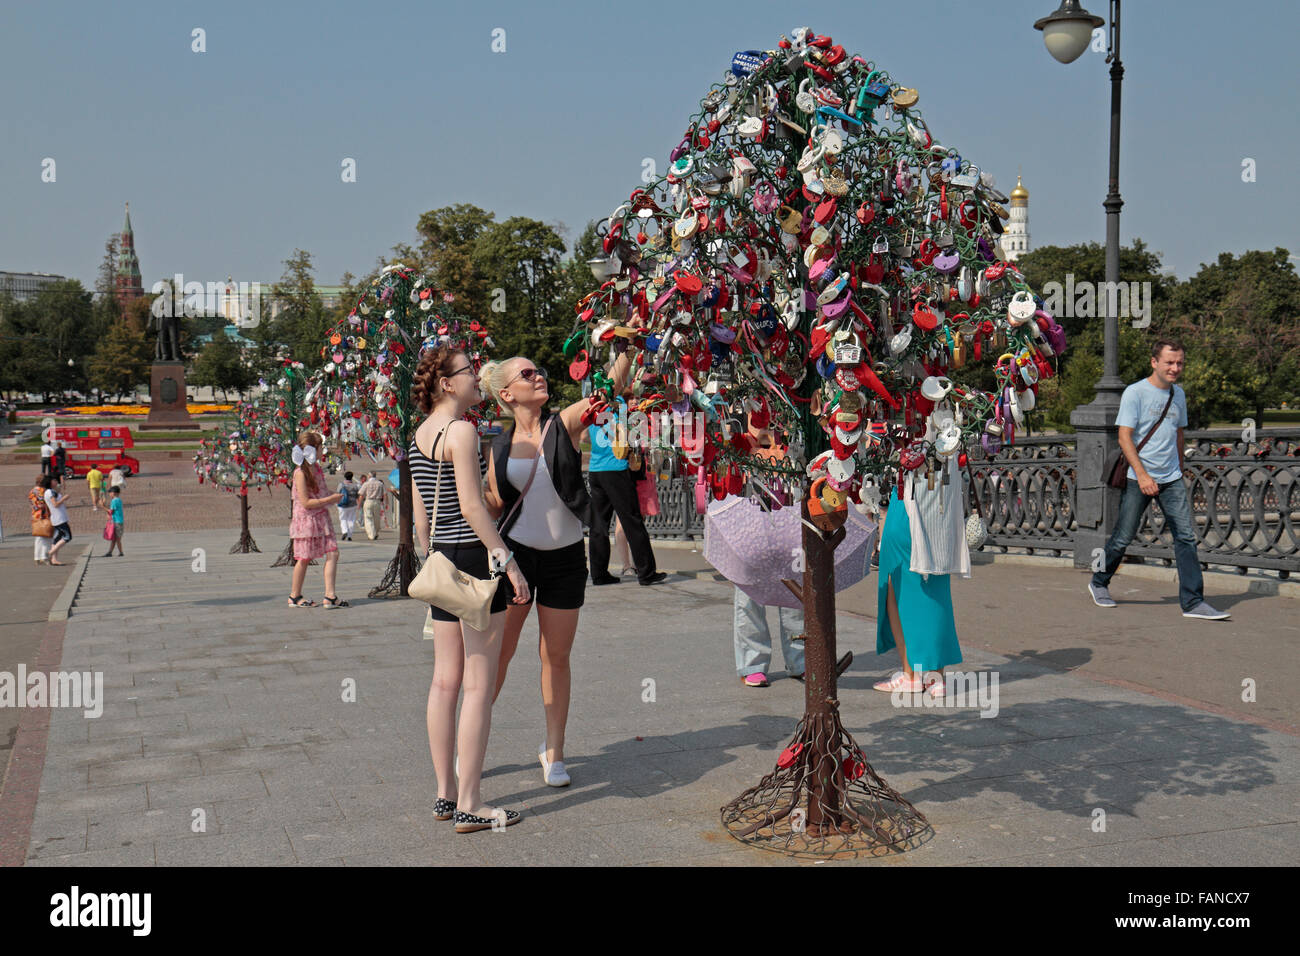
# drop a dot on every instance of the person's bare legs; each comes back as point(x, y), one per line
point(558, 629)
point(448, 670)
point(331, 573)
point(482, 654)
point(299, 577)
point(896, 625)
point(516, 615)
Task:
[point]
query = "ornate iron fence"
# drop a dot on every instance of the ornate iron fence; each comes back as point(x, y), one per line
point(1245, 499)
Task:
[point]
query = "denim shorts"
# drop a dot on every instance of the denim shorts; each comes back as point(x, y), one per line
point(61, 533)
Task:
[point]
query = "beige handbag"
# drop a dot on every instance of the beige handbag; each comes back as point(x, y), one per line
point(444, 585)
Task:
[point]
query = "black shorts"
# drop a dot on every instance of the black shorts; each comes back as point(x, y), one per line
point(61, 533)
point(556, 579)
point(472, 558)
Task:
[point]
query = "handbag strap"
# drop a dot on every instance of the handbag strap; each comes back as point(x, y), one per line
point(974, 488)
point(1165, 412)
point(437, 484)
point(541, 444)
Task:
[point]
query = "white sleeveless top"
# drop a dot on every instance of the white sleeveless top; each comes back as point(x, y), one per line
point(544, 522)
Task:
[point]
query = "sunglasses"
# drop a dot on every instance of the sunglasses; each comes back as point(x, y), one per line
point(467, 368)
point(528, 375)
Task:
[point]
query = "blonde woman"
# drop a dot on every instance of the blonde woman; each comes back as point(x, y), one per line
point(535, 481)
point(310, 527)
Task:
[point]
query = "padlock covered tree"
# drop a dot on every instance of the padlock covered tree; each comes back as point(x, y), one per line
point(361, 398)
point(814, 258)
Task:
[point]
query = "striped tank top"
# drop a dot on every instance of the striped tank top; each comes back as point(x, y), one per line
point(432, 478)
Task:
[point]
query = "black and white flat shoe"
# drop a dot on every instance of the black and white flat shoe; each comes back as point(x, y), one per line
point(444, 809)
point(468, 823)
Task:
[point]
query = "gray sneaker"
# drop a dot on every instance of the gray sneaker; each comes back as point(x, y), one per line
point(1207, 613)
point(1101, 596)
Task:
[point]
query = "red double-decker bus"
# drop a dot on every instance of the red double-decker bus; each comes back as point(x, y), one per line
point(103, 446)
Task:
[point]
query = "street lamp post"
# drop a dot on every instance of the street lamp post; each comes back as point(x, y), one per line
point(1067, 33)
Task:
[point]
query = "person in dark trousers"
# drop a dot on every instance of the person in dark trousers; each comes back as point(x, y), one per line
point(1154, 412)
point(60, 460)
point(614, 492)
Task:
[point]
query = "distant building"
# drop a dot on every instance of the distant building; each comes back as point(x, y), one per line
point(127, 283)
point(1015, 238)
point(25, 285)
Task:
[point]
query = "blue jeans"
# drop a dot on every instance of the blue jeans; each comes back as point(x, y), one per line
point(1177, 507)
point(754, 642)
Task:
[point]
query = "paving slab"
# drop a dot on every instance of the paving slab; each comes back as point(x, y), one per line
point(245, 712)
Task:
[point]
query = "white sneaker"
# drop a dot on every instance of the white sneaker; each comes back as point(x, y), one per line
point(1205, 612)
point(1100, 596)
point(553, 774)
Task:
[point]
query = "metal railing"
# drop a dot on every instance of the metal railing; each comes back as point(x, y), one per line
point(1245, 499)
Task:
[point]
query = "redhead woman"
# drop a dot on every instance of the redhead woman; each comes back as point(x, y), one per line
point(535, 480)
point(450, 516)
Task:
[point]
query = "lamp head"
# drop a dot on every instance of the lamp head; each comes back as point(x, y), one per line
point(1068, 31)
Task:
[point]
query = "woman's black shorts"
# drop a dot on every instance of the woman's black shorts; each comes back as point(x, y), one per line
point(556, 579)
point(472, 558)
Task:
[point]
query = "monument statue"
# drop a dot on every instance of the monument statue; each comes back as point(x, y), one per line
point(168, 348)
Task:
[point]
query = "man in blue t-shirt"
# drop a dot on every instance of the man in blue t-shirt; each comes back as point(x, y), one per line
point(1156, 472)
point(614, 491)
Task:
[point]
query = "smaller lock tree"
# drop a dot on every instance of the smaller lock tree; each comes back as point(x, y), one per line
point(246, 455)
point(361, 399)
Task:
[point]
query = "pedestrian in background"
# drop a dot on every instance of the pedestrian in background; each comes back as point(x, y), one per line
point(749, 633)
point(42, 529)
point(372, 500)
point(55, 502)
point(613, 491)
point(349, 501)
point(117, 513)
point(95, 482)
point(116, 478)
point(47, 458)
point(60, 459)
point(1156, 408)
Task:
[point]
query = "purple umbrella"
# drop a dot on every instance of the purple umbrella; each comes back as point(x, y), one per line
point(755, 549)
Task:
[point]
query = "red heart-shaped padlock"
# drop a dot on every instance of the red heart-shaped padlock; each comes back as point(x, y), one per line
point(788, 756)
point(580, 366)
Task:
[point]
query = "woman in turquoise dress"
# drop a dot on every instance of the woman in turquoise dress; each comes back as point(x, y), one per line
point(913, 612)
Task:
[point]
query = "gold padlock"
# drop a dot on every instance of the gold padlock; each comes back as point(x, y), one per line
point(904, 97)
point(833, 499)
point(791, 220)
point(959, 351)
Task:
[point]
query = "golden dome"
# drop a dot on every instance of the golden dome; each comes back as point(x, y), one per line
point(1020, 192)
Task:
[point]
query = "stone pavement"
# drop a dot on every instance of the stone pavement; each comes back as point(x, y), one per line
point(225, 706)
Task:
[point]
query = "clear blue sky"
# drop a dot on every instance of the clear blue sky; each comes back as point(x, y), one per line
point(231, 158)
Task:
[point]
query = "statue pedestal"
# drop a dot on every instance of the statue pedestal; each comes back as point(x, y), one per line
point(168, 407)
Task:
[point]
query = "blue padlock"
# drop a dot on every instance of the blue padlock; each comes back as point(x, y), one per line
point(825, 367)
point(746, 62)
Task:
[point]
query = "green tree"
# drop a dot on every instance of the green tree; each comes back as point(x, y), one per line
point(303, 320)
point(221, 365)
point(121, 360)
point(1240, 320)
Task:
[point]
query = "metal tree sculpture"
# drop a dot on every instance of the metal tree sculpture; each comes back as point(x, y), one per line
point(284, 398)
point(250, 454)
point(814, 258)
point(362, 397)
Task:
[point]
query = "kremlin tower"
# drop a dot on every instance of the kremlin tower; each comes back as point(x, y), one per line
point(1015, 239)
point(127, 283)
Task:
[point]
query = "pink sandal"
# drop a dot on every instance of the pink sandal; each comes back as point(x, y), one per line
point(755, 680)
point(899, 682)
